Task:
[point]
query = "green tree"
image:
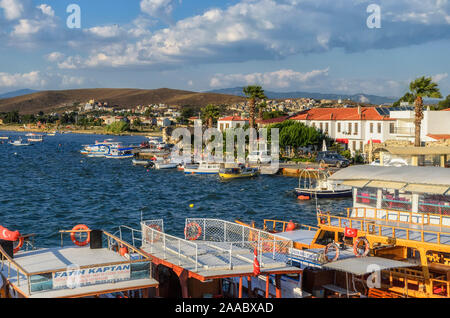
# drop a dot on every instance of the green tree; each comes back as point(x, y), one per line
point(261, 107)
point(444, 104)
point(420, 88)
point(408, 98)
point(12, 117)
point(118, 127)
point(210, 113)
point(253, 94)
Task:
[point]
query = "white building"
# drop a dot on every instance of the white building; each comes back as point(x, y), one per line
point(231, 122)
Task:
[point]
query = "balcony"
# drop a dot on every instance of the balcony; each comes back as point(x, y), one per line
point(405, 131)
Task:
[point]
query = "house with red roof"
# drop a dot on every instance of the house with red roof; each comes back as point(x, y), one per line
point(231, 122)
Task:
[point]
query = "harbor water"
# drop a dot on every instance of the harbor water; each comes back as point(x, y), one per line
point(50, 186)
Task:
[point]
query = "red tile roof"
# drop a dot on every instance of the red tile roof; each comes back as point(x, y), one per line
point(272, 120)
point(367, 113)
point(439, 137)
point(446, 110)
point(233, 118)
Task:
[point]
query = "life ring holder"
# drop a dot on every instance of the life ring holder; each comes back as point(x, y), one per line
point(192, 225)
point(80, 227)
point(327, 248)
point(157, 236)
point(366, 249)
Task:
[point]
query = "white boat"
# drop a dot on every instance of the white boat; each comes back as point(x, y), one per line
point(36, 138)
point(19, 143)
point(120, 153)
point(4, 138)
point(314, 183)
point(144, 163)
point(203, 168)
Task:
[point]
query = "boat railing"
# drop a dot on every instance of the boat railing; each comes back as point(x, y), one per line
point(113, 241)
point(280, 226)
point(402, 217)
point(397, 231)
point(230, 242)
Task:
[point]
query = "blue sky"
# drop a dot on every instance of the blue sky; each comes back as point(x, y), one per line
point(283, 45)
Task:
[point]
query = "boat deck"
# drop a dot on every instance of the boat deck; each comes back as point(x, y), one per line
point(299, 236)
point(428, 233)
point(42, 263)
point(213, 259)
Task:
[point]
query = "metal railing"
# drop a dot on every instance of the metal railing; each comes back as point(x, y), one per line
point(389, 231)
point(112, 241)
point(231, 243)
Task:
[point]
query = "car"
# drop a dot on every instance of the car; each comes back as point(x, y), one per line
point(332, 158)
point(259, 157)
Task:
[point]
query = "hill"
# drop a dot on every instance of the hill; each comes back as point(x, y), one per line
point(19, 92)
point(361, 98)
point(47, 101)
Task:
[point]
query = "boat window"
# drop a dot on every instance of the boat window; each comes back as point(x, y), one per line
point(435, 204)
point(325, 238)
point(396, 200)
point(367, 196)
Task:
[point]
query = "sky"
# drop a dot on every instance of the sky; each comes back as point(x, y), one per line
point(326, 46)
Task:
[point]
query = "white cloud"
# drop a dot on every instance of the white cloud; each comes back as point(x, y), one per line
point(278, 79)
point(46, 9)
point(157, 8)
point(13, 9)
point(439, 77)
point(31, 79)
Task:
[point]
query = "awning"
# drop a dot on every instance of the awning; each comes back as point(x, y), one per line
point(356, 183)
point(375, 141)
point(342, 141)
point(386, 185)
point(366, 265)
point(422, 188)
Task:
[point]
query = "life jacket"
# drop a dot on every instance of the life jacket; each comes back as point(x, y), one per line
point(8, 235)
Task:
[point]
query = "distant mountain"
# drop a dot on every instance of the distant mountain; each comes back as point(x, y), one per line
point(19, 92)
point(62, 100)
point(361, 98)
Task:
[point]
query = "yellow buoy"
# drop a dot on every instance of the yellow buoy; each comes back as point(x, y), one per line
point(191, 206)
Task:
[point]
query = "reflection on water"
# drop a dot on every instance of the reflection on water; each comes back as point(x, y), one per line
point(50, 186)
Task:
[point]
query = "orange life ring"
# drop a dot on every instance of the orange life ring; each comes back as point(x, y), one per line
point(366, 249)
point(19, 246)
point(189, 226)
point(78, 228)
point(303, 197)
point(326, 252)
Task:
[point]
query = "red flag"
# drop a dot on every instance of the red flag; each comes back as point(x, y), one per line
point(8, 235)
point(349, 232)
point(256, 267)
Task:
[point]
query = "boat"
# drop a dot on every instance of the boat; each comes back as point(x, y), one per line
point(203, 168)
point(394, 242)
point(315, 183)
point(4, 138)
point(164, 164)
point(94, 264)
point(120, 153)
point(20, 143)
point(137, 162)
point(229, 172)
point(35, 138)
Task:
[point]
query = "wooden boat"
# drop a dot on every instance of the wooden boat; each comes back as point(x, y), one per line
point(315, 183)
point(399, 226)
point(237, 172)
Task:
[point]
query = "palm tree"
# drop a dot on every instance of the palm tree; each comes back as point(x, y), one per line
point(210, 113)
point(420, 88)
point(261, 109)
point(253, 93)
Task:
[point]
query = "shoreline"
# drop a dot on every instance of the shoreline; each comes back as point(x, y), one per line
point(17, 128)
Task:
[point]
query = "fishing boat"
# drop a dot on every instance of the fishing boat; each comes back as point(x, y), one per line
point(394, 242)
point(94, 264)
point(203, 168)
point(120, 153)
point(20, 143)
point(315, 183)
point(229, 172)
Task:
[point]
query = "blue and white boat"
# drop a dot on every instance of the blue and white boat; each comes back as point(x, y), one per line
point(120, 153)
point(314, 183)
point(19, 143)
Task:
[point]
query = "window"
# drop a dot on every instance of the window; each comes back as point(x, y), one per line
point(396, 200)
point(392, 128)
point(371, 128)
point(435, 204)
point(354, 145)
point(349, 128)
point(379, 128)
point(356, 129)
point(326, 127)
point(339, 127)
point(367, 196)
point(361, 146)
point(321, 126)
point(314, 125)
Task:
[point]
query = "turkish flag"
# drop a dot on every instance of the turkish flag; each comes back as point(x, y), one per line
point(8, 235)
point(349, 232)
point(256, 267)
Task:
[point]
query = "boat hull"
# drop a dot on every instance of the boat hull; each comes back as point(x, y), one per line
point(230, 176)
point(328, 194)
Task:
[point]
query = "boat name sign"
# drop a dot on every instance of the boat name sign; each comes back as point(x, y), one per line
point(75, 277)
